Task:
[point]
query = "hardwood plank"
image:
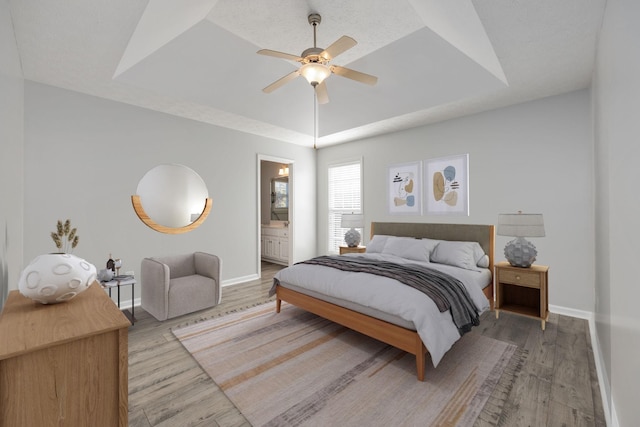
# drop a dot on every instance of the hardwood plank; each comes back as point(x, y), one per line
point(598, 407)
point(572, 380)
point(138, 418)
point(561, 416)
point(542, 344)
point(510, 327)
point(529, 396)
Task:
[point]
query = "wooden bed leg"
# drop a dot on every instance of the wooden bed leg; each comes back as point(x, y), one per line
point(420, 361)
point(278, 305)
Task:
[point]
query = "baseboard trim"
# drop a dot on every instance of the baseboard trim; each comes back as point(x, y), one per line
point(571, 312)
point(126, 304)
point(607, 403)
point(242, 279)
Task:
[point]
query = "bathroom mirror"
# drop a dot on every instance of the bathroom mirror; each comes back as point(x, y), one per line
point(280, 198)
point(172, 198)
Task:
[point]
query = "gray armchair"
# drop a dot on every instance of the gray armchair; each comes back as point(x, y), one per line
point(180, 284)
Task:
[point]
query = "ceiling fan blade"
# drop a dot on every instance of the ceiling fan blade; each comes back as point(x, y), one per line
point(342, 44)
point(322, 94)
point(354, 75)
point(276, 54)
point(280, 82)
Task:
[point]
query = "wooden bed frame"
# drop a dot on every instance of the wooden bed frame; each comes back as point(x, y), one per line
point(397, 336)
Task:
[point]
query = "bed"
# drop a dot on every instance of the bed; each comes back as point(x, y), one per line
point(389, 311)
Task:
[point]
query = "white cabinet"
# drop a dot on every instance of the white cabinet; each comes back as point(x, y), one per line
point(274, 243)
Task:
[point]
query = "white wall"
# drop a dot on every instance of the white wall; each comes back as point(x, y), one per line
point(84, 157)
point(11, 155)
point(617, 129)
point(535, 157)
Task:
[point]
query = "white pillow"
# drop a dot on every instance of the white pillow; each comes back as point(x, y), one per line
point(465, 255)
point(410, 248)
point(482, 259)
point(483, 262)
point(376, 244)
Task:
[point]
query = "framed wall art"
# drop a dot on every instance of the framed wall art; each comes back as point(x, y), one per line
point(404, 183)
point(447, 185)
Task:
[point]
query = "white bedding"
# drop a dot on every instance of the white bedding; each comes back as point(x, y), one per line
point(436, 329)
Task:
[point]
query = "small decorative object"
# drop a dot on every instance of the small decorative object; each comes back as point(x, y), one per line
point(352, 221)
point(447, 185)
point(105, 275)
point(57, 277)
point(111, 264)
point(54, 278)
point(520, 252)
point(65, 237)
point(117, 264)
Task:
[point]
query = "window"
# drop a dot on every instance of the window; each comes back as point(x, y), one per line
point(280, 198)
point(345, 196)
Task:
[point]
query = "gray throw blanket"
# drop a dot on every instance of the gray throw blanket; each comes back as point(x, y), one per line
point(446, 291)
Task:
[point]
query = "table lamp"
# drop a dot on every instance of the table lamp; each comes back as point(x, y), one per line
point(520, 252)
point(352, 221)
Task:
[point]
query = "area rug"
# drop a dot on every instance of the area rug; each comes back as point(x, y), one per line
point(294, 368)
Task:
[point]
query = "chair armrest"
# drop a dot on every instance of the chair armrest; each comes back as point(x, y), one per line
point(155, 287)
point(153, 271)
point(207, 265)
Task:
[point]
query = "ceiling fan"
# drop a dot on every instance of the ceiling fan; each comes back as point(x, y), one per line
point(315, 64)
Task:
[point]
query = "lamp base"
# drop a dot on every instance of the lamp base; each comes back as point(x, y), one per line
point(520, 252)
point(352, 238)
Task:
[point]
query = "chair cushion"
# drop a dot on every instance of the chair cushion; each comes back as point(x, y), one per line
point(191, 293)
point(179, 265)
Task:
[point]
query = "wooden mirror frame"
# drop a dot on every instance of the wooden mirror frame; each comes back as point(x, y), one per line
point(137, 207)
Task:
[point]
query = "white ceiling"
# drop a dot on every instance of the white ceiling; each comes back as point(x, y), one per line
point(434, 59)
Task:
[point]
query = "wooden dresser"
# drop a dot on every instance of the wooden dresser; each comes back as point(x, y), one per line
point(64, 364)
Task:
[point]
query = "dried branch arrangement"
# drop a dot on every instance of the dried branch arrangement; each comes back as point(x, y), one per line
point(65, 237)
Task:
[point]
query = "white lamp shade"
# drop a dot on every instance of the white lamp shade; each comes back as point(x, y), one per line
point(315, 72)
point(352, 221)
point(521, 225)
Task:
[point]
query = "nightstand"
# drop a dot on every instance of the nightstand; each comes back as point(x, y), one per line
point(522, 290)
point(352, 250)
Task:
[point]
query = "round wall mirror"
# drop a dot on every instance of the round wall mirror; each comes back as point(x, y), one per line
point(172, 198)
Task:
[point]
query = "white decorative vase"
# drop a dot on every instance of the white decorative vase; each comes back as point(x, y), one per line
point(54, 278)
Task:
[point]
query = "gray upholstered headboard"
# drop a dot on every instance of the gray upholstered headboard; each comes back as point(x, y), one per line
point(483, 234)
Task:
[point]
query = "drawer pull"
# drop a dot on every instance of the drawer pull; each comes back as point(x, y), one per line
point(517, 277)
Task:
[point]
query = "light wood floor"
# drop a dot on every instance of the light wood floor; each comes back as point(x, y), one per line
point(557, 384)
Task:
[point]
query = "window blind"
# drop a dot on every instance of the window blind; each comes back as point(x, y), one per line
point(345, 196)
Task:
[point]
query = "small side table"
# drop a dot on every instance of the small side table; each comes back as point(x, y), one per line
point(352, 249)
point(117, 282)
point(522, 290)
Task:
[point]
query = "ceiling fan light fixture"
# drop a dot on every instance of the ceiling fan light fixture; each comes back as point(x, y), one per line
point(315, 72)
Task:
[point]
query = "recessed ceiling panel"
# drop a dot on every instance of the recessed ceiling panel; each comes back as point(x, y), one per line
point(415, 73)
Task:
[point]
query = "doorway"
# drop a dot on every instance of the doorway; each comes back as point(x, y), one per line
point(275, 212)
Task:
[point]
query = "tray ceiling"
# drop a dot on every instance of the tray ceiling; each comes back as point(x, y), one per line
point(434, 59)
